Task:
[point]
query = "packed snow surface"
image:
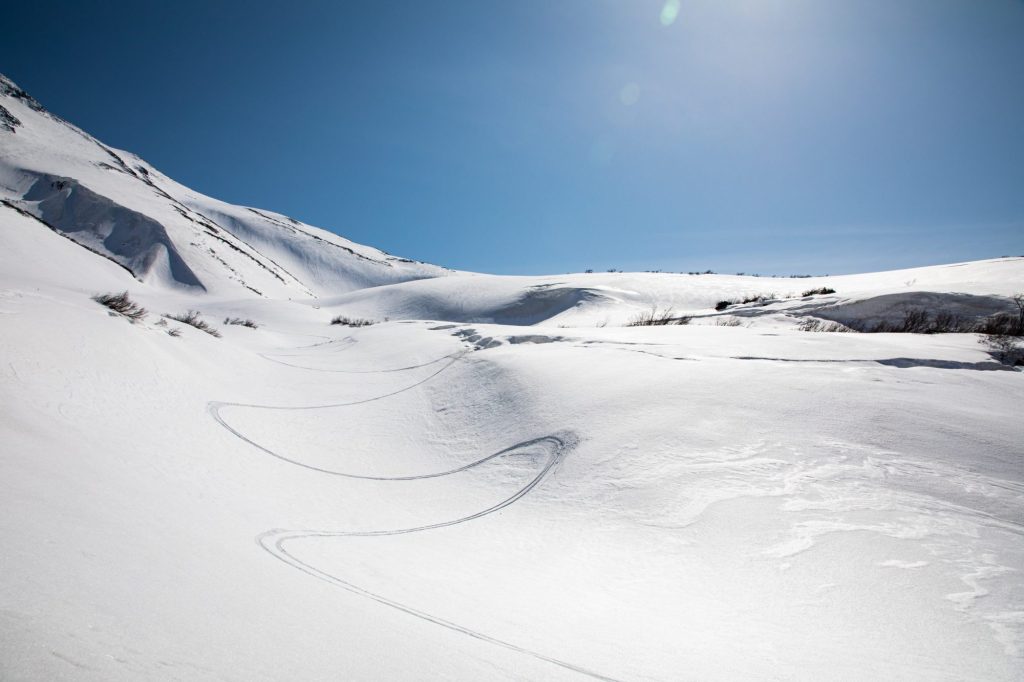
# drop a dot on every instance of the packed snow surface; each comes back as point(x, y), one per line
point(500, 482)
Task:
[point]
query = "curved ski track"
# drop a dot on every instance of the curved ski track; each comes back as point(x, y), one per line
point(273, 541)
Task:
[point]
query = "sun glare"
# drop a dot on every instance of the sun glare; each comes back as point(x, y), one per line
point(669, 12)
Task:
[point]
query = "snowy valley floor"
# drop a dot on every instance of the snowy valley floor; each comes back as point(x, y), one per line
point(431, 500)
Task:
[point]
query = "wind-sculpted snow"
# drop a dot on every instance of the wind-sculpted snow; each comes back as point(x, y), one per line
point(131, 238)
point(892, 308)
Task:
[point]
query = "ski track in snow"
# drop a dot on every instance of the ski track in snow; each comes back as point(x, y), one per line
point(273, 541)
point(267, 356)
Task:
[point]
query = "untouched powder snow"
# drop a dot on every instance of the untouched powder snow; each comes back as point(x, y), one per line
point(501, 482)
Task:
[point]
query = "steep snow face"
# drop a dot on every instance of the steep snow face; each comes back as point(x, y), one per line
point(165, 234)
point(132, 238)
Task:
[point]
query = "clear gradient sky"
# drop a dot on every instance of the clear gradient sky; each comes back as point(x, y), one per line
point(534, 136)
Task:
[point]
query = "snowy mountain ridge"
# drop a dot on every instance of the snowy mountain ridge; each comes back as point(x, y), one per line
point(172, 238)
point(165, 234)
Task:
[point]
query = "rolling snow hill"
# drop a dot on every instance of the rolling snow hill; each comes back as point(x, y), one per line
point(500, 482)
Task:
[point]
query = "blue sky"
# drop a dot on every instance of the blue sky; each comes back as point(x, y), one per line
point(796, 136)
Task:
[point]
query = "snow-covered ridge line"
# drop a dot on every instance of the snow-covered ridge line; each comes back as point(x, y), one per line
point(171, 237)
point(168, 235)
point(969, 290)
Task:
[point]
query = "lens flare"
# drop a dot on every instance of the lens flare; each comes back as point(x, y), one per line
point(629, 94)
point(669, 12)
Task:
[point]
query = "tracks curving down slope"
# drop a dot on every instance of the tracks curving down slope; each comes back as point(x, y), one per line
point(552, 447)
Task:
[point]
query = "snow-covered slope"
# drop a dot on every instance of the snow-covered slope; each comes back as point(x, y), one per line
point(614, 298)
point(451, 495)
point(165, 234)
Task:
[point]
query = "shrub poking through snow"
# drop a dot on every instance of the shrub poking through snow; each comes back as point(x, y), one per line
point(351, 321)
point(251, 324)
point(921, 321)
point(1005, 324)
point(122, 305)
point(816, 292)
point(728, 322)
point(174, 332)
point(192, 319)
point(1005, 348)
point(1002, 334)
point(657, 318)
point(1001, 324)
point(761, 299)
point(816, 325)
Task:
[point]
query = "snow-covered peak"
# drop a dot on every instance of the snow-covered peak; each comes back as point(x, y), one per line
point(165, 234)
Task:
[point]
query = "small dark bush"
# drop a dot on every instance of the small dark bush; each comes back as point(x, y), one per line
point(1001, 324)
point(816, 325)
point(351, 321)
point(819, 290)
point(763, 299)
point(915, 322)
point(1017, 327)
point(121, 304)
point(240, 322)
point(1002, 334)
point(174, 332)
point(657, 318)
point(948, 323)
point(191, 318)
point(722, 305)
point(728, 322)
point(1005, 348)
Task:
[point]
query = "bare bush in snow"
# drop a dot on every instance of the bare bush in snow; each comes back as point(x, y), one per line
point(1002, 334)
point(192, 319)
point(657, 318)
point(122, 305)
point(1005, 348)
point(251, 324)
point(816, 325)
point(351, 321)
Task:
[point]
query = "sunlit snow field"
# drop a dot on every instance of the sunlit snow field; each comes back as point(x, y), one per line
point(498, 479)
point(684, 502)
